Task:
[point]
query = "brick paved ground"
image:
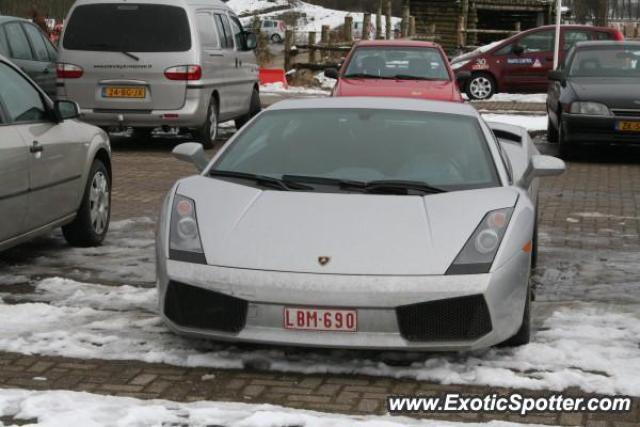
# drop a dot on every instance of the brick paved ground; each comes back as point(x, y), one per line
point(144, 172)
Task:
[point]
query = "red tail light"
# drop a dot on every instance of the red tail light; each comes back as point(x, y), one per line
point(68, 71)
point(618, 36)
point(184, 72)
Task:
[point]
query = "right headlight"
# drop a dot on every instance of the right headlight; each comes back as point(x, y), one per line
point(480, 250)
point(184, 237)
point(590, 108)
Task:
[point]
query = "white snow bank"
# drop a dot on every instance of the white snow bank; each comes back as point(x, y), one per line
point(529, 122)
point(64, 408)
point(279, 88)
point(591, 346)
point(529, 98)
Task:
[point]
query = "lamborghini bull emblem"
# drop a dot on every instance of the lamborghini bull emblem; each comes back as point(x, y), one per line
point(324, 260)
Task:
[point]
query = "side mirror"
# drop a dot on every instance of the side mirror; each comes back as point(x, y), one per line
point(541, 166)
point(557, 76)
point(517, 49)
point(192, 152)
point(251, 41)
point(66, 110)
point(331, 73)
point(462, 77)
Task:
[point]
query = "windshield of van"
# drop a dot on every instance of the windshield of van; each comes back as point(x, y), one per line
point(128, 28)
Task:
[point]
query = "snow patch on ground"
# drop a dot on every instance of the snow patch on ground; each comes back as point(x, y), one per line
point(278, 88)
point(64, 408)
point(527, 98)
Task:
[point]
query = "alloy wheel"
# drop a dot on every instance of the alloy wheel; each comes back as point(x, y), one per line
point(481, 87)
point(99, 202)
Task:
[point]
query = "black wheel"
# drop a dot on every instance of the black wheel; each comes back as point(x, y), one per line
point(276, 38)
point(254, 108)
point(481, 86)
point(91, 224)
point(523, 336)
point(566, 150)
point(552, 132)
point(208, 132)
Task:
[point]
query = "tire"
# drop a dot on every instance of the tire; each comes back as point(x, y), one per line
point(91, 224)
point(567, 151)
point(523, 336)
point(552, 132)
point(481, 87)
point(276, 38)
point(208, 132)
point(255, 107)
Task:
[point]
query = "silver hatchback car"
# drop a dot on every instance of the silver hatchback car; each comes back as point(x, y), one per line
point(159, 63)
point(54, 170)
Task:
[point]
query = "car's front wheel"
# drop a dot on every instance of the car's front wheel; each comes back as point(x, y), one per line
point(276, 38)
point(481, 86)
point(552, 132)
point(91, 224)
point(254, 108)
point(523, 336)
point(566, 149)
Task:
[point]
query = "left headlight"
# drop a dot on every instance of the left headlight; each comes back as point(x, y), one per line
point(184, 237)
point(590, 108)
point(457, 65)
point(480, 250)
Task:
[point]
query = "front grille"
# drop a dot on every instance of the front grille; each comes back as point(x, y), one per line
point(192, 307)
point(626, 113)
point(463, 318)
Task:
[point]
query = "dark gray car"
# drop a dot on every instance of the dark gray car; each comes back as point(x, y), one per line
point(30, 49)
point(595, 98)
point(55, 171)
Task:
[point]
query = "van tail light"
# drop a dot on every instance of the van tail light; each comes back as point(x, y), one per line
point(618, 36)
point(68, 71)
point(184, 72)
point(282, 26)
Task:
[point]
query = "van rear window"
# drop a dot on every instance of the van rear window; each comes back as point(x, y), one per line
point(128, 27)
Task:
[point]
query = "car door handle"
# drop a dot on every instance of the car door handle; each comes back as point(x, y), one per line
point(217, 55)
point(36, 147)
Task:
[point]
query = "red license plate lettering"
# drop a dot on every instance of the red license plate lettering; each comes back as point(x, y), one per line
point(320, 319)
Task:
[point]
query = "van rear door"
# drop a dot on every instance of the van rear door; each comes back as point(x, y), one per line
point(115, 56)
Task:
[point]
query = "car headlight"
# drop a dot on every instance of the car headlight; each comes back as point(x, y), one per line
point(590, 108)
point(184, 237)
point(457, 65)
point(480, 250)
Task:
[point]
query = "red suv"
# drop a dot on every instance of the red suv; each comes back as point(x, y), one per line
point(397, 68)
point(521, 63)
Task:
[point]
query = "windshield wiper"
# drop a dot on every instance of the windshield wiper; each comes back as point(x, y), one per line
point(262, 180)
point(109, 48)
point(365, 76)
point(380, 187)
point(401, 187)
point(130, 55)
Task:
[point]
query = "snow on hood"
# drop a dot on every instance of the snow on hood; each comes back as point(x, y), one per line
point(363, 234)
point(478, 51)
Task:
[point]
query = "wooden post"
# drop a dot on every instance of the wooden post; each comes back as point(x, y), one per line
point(288, 44)
point(388, 23)
point(379, 21)
point(432, 29)
point(405, 19)
point(412, 26)
point(324, 38)
point(518, 26)
point(366, 26)
point(348, 28)
point(465, 22)
point(461, 31)
point(312, 50)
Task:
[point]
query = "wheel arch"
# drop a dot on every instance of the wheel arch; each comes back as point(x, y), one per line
point(104, 157)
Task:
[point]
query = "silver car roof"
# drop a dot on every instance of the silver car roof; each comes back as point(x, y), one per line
point(216, 3)
point(378, 103)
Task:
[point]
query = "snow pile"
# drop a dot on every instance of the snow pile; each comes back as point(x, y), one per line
point(312, 17)
point(529, 122)
point(63, 409)
point(278, 88)
point(525, 98)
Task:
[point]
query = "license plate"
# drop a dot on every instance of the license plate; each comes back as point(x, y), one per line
point(124, 92)
point(320, 319)
point(628, 126)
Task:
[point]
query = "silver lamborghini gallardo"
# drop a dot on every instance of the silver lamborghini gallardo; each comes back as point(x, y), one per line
point(364, 223)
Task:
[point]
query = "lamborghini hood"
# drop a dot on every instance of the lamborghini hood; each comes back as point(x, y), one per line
point(356, 234)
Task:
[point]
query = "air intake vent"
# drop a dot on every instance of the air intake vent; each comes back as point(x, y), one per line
point(192, 307)
point(455, 319)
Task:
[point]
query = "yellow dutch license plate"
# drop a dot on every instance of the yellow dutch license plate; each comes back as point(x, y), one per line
point(628, 126)
point(124, 92)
